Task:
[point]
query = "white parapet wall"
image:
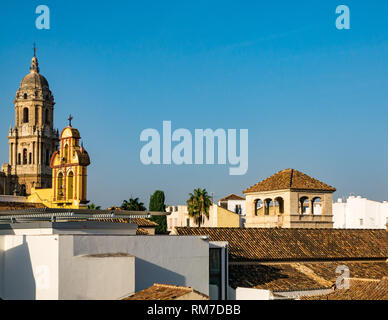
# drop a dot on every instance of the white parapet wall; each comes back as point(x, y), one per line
point(253, 294)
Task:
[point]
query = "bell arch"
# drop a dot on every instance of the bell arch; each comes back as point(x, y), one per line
point(70, 185)
point(279, 205)
point(303, 205)
point(316, 205)
point(258, 206)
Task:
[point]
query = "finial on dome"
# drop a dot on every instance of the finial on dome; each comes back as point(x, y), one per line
point(34, 62)
point(70, 118)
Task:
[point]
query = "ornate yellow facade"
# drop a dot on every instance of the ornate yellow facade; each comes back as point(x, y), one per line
point(69, 174)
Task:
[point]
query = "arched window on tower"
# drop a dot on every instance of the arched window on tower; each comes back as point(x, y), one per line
point(316, 206)
point(258, 206)
point(25, 96)
point(66, 153)
point(70, 185)
point(25, 115)
point(36, 114)
point(268, 207)
point(279, 205)
point(60, 186)
point(304, 205)
point(24, 156)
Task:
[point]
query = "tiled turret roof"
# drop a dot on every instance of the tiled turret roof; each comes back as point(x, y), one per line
point(290, 179)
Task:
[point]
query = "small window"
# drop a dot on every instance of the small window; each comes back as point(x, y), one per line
point(66, 153)
point(25, 96)
point(24, 156)
point(19, 159)
point(47, 157)
point(25, 115)
point(30, 158)
point(187, 222)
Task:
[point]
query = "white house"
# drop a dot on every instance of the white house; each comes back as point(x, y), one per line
point(96, 260)
point(360, 213)
point(234, 203)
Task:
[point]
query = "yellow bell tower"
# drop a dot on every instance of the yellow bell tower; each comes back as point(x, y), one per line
point(69, 174)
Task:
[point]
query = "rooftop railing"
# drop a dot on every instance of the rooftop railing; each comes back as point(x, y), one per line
point(54, 215)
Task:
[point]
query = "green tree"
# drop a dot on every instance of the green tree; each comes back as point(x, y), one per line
point(92, 206)
point(133, 204)
point(198, 205)
point(157, 204)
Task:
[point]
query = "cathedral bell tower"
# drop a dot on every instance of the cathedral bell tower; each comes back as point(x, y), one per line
point(33, 140)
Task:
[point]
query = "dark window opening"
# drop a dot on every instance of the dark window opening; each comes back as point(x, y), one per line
point(24, 156)
point(47, 157)
point(215, 275)
point(25, 115)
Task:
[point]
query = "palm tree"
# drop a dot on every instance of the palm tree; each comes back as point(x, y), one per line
point(133, 204)
point(92, 206)
point(198, 205)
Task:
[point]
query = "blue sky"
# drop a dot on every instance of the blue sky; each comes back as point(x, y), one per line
point(314, 98)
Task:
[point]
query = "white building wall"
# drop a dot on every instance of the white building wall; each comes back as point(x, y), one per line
point(29, 267)
point(66, 266)
point(176, 260)
point(232, 205)
point(253, 294)
point(360, 213)
point(103, 277)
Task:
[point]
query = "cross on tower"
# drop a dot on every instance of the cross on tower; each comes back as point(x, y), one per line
point(34, 49)
point(70, 118)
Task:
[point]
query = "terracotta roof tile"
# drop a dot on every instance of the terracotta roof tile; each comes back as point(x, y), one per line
point(142, 222)
point(163, 292)
point(277, 277)
point(359, 269)
point(300, 276)
point(359, 289)
point(290, 179)
point(232, 196)
point(142, 232)
point(275, 244)
point(19, 205)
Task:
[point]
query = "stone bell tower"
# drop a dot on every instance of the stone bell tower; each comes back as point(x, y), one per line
point(33, 140)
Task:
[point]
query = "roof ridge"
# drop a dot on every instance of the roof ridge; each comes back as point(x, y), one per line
point(311, 274)
point(172, 286)
point(292, 175)
point(289, 179)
